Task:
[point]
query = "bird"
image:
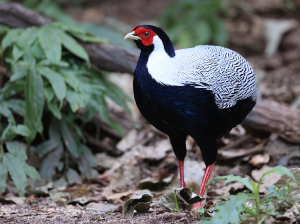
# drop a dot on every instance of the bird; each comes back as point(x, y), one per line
point(202, 92)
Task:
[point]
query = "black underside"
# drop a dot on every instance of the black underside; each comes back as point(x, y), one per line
point(179, 111)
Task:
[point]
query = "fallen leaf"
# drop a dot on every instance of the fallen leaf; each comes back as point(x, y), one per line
point(193, 171)
point(274, 30)
point(139, 203)
point(60, 198)
point(35, 188)
point(16, 200)
point(291, 214)
point(283, 180)
point(260, 159)
point(154, 184)
point(268, 180)
point(81, 200)
point(105, 161)
point(155, 152)
point(124, 177)
point(128, 141)
point(186, 197)
point(101, 207)
point(228, 189)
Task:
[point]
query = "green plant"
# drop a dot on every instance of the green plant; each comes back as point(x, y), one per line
point(250, 204)
point(176, 202)
point(193, 22)
point(52, 9)
point(14, 163)
point(51, 78)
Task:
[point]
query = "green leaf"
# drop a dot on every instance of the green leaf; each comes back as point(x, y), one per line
point(22, 130)
point(54, 129)
point(50, 43)
point(54, 107)
point(11, 37)
point(229, 211)
point(89, 38)
point(30, 35)
point(16, 105)
point(71, 44)
point(7, 113)
point(11, 89)
point(219, 31)
point(9, 133)
point(281, 170)
point(67, 27)
point(19, 72)
point(72, 176)
point(46, 147)
point(31, 171)
point(53, 10)
point(69, 140)
point(231, 178)
point(50, 162)
point(17, 52)
point(101, 107)
point(37, 50)
point(49, 94)
point(77, 100)
point(70, 78)
point(34, 99)
point(3, 29)
point(3, 177)
point(16, 172)
point(86, 162)
point(203, 32)
point(56, 81)
point(17, 150)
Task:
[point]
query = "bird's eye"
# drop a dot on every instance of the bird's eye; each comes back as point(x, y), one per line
point(146, 33)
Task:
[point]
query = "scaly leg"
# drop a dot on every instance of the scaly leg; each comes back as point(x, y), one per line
point(181, 173)
point(204, 181)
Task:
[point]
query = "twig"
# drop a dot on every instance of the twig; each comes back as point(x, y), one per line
point(105, 147)
point(235, 143)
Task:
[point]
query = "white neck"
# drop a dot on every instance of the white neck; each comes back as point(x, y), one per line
point(158, 63)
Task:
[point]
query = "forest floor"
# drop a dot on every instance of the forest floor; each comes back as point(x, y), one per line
point(144, 159)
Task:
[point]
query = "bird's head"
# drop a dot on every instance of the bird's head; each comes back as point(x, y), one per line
point(150, 38)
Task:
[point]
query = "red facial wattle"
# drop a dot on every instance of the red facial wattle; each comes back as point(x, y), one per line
point(145, 34)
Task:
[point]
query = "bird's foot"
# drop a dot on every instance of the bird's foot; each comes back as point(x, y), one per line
point(197, 205)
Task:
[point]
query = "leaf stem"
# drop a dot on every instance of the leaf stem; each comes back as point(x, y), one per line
point(176, 202)
point(1, 152)
point(290, 194)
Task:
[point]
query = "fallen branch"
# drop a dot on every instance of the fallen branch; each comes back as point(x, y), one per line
point(275, 118)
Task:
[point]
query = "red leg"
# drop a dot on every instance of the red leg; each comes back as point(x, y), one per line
point(204, 181)
point(181, 173)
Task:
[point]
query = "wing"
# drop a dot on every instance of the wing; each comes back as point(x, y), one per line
point(226, 73)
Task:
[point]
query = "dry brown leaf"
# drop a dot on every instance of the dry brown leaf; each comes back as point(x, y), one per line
point(226, 190)
point(155, 152)
point(193, 171)
point(101, 207)
point(260, 159)
point(128, 141)
point(268, 180)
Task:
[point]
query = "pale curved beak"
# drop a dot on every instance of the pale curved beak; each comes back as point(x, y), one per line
point(131, 36)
